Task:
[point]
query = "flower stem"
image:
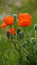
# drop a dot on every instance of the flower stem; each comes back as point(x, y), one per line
point(35, 35)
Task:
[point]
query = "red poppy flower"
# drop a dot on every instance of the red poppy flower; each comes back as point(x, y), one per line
point(9, 20)
point(24, 19)
point(12, 31)
point(3, 25)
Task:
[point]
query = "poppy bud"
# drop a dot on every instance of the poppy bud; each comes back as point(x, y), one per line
point(33, 40)
point(21, 35)
point(25, 44)
point(15, 17)
point(35, 27)
point(18, 30)
point(8, 34)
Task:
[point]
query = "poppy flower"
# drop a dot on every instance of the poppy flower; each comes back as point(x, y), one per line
point(24, 19)
point(9, 20)
point(12, 31)
point(3, 25)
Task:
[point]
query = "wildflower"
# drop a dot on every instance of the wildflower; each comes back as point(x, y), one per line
point(13, 31)
point(9, 20)
point(3, 25)
point(24, 19)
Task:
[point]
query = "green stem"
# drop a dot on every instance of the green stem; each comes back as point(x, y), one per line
point(4, 59)
point(35, 35)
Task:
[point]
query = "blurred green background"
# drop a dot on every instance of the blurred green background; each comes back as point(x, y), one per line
point(10, 7)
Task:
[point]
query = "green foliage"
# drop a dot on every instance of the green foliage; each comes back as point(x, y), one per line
point(10, 54)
